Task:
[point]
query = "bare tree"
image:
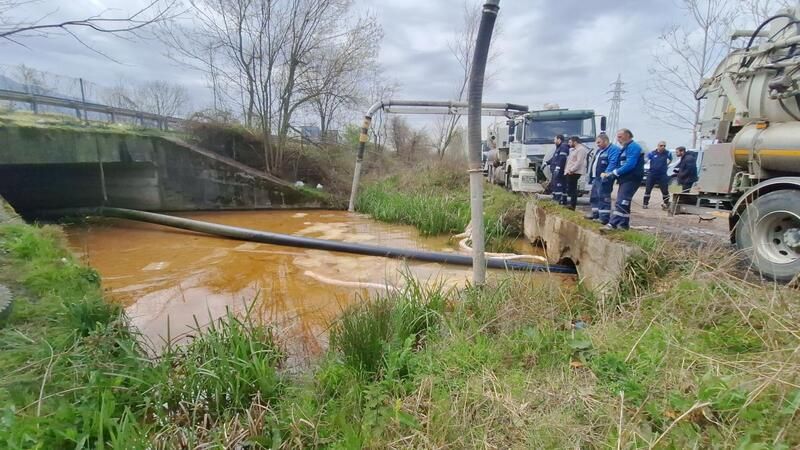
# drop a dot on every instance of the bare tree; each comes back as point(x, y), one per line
point(31, 79)
point(690, 54)
point(14, 29)
point(760, 10)
point(462, 46)
point(407, 141)
point(162, 98)
point(379, 88)
point(120, 95)
point(335, 79)
point(260, 56)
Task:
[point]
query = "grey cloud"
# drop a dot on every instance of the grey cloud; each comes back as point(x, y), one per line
point(567, 51)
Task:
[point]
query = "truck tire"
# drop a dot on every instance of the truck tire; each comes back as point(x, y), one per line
point(768, 231)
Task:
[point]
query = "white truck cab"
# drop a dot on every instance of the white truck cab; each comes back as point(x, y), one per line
point(531, 145)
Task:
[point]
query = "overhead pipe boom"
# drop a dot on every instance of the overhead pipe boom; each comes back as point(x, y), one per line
point(418, 107)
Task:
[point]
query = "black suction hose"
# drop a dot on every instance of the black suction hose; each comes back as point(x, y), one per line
point(474, 101)
point(246, 234)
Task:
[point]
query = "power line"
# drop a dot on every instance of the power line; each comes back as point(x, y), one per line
point(616, 101)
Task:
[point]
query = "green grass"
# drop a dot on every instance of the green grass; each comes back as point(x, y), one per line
point(436, 201)
point(28, 120)
point(73, 375)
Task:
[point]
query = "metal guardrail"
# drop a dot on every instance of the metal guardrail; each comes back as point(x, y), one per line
point(81, 108)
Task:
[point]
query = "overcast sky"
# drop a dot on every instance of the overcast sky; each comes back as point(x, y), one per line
point(566, 52)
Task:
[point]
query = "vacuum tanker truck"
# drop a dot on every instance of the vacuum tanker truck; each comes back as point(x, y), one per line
point(752, 116)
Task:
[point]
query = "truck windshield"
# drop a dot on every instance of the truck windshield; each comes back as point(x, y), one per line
point(543, 132)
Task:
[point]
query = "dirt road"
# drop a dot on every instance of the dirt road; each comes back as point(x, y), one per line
point(657, 220)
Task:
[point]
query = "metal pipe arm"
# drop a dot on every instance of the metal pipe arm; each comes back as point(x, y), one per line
point(452, 108)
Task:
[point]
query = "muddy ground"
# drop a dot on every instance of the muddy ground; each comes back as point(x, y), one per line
point(657, 220)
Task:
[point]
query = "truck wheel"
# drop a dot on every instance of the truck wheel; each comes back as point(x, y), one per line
point(769, 231)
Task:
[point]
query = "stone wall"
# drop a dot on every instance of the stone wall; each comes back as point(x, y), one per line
point(600, 261)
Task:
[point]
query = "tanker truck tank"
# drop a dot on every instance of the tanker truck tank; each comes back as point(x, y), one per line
point(752, 116)
point(775, 148)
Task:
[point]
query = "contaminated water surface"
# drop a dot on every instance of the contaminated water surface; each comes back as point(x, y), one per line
point(171, 281)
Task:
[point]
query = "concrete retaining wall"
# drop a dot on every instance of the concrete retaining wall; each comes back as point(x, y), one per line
point(600, 261)
point(46, 168)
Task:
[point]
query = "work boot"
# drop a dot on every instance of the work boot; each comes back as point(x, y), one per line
point(665, 206)
point(589, 217)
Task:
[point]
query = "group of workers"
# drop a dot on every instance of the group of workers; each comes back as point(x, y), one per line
point(623, 164)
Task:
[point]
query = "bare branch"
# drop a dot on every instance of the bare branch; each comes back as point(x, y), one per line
point(152, 13)
point(690, 53)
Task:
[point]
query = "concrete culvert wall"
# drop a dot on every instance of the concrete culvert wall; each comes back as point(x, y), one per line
point(44, 168)
point(600, 261)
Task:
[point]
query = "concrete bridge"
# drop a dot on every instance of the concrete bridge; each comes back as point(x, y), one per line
point(44, 167)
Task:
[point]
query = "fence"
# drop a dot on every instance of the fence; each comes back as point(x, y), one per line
point(45, 92)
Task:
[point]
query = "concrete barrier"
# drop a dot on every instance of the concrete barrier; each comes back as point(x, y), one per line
point(600, 260)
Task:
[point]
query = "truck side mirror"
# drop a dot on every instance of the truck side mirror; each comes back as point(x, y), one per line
point(603, 123)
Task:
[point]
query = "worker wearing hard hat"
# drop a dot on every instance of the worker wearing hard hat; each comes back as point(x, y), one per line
point(628, 170)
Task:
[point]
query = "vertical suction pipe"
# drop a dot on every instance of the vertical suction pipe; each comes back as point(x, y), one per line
point(362, 145)
point(474, 99)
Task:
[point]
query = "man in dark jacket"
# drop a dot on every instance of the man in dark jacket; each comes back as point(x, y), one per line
point(660, 160)
point(557, 164)
point(686, 170)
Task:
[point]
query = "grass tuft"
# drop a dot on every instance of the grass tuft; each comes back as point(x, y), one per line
point(367, 334)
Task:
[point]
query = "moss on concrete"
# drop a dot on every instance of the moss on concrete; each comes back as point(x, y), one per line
point(29, 120)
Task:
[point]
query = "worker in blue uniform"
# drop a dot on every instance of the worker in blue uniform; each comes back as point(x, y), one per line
point(628, 170)
point(600, 195)
point(557, 164)
point(660, 159)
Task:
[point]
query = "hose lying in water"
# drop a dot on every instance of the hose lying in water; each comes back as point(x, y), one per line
point(246, 234)
point(466, 237)
point(350, 284)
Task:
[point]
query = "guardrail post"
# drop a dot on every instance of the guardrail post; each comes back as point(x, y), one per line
point(83, 100)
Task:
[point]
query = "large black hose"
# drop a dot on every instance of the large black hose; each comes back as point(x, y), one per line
point(246, 234)
point(474, 100)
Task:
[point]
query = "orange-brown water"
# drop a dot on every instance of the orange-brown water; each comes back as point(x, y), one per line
point(170, 280)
